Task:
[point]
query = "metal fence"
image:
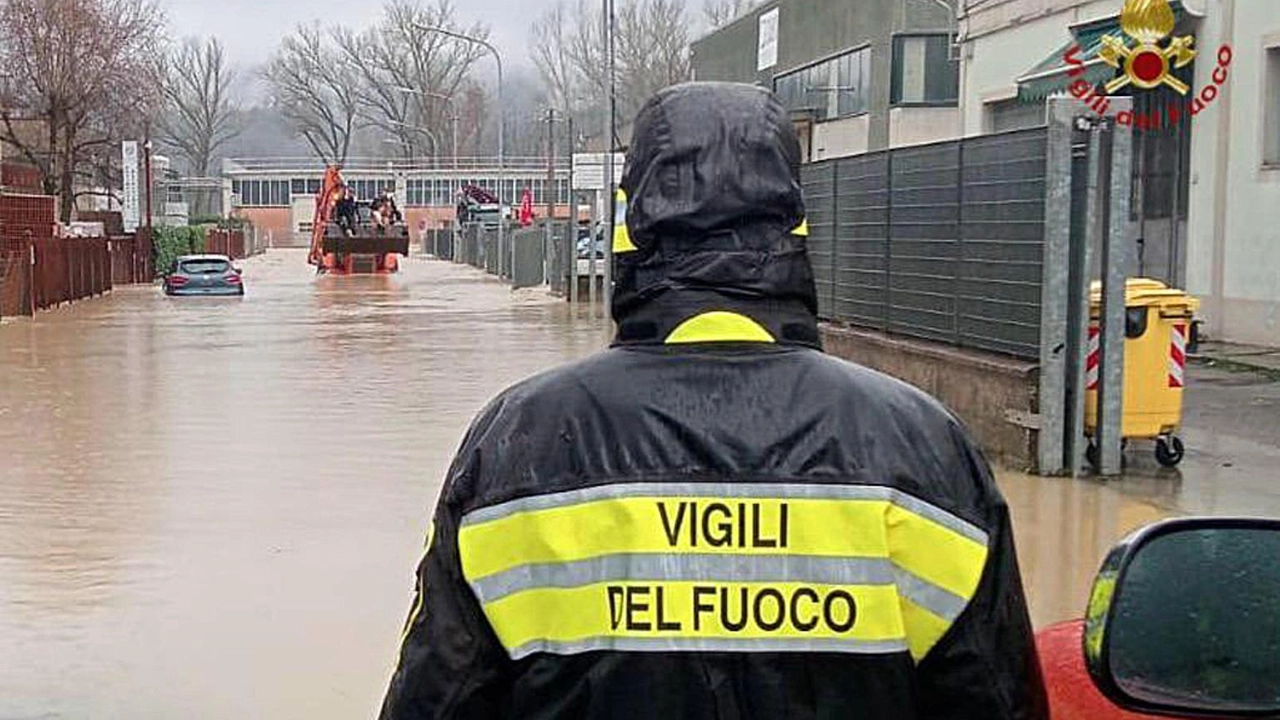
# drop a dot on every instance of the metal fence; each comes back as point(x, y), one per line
point(942, 242)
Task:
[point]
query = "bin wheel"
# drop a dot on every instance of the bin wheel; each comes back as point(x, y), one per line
point(1170, 451)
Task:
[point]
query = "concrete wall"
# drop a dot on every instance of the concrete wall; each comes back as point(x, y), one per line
point(849, 136)
point(989, 393)
point(921, 125)
point(1233, 242)
point(811, 30)
point(274, 224)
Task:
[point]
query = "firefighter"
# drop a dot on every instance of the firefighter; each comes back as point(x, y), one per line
point(347, 212)
point(714, 519)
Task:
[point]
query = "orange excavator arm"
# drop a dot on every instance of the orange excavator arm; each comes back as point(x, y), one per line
point(326, 200)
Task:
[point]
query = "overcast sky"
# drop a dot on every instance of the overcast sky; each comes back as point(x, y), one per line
point(251, 29)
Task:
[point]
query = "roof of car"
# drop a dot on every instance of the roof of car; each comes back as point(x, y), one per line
point(185, 258)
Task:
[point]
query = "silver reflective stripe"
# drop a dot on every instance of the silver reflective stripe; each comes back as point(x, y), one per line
point(692, 568)
point(939, 601)
point(673, 644)
point(775, 491)
point(721, 569)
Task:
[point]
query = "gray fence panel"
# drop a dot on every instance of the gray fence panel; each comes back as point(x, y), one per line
point(818, 183)
point(942, 242)
point(528, 258)
point(861, 268)
point(1003, 186)
point(490, 250)
point(563, 235)
point(924, 236)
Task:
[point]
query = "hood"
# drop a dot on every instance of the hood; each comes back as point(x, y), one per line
point(713, 243)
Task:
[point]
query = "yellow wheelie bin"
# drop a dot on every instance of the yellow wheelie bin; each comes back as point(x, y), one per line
point(1158, 325)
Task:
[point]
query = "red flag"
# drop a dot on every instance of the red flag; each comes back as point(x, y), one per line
point(526, 209)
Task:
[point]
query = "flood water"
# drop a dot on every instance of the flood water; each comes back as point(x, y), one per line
point(212, 508)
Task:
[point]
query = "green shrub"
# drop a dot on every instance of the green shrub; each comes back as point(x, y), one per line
point(170, 243)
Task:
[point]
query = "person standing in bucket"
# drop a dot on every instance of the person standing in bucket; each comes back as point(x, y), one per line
point(713, 518)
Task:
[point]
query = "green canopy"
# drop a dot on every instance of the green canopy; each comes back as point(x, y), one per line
point(1051, 76)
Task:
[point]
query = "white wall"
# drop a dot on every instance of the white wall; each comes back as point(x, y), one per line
point(840, 138)
point(920, 125)
point(1007, 38)
point(1233, 255)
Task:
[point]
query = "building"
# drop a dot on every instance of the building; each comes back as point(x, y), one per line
point(278, 196)
point(1206, 187)
point(858, 76)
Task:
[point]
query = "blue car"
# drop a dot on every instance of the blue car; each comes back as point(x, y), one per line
point(203, 275)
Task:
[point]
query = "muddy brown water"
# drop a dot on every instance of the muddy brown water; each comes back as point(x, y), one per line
point(212, 508)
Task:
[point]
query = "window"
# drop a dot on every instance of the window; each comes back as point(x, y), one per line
point(1271, 113)
point(923, 71)
point(298, 186)
point(834, 88)
point(313, 186)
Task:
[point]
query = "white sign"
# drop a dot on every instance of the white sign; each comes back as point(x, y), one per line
point(767, 47)
point(129, 163)
point(589, 172)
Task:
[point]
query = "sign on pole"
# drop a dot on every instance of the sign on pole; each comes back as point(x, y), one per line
point(132, 212)
point(589, 170)
point(767, 45)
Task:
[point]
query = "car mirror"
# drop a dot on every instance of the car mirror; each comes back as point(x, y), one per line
point(1184, 619)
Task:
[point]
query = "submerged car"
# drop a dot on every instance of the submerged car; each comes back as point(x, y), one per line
point(203, 275)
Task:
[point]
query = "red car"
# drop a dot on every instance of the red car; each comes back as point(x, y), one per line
point(1183, 622)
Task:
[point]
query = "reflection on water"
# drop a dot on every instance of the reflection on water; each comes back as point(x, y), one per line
point(211, 508)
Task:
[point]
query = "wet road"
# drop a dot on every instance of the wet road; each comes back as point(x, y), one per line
point(211, 509)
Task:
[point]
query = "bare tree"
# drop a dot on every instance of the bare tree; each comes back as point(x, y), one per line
point(719, 13)
point(651, 48)
point(405, 73)
point(84, 72)
point(315, 88)
point(651, 51)
point(201, 114)
point(549, 49)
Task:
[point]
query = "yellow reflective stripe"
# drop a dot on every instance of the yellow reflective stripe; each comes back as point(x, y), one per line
point(802, 229)
point(621, 236)
point(705, 610)
point(719, 326)
point(570, 550)
point(923, 629)
point(830, 528)
point(934, 553)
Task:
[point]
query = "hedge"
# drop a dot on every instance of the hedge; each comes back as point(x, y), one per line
point(170, 243)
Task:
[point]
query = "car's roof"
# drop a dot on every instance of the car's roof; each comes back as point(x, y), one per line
point(184, 258)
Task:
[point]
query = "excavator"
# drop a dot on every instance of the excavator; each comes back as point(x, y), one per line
point(362, 249)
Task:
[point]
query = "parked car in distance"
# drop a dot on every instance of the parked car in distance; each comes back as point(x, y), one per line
point(203, 275)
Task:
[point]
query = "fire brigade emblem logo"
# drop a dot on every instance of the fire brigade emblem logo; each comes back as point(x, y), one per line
point(1147, 65)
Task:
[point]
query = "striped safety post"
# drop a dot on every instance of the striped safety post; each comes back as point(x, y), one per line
point(1094, 358)
point(1178, 356)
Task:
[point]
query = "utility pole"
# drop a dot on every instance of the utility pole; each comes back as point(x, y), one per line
point(548, 237)
point(146, 147)
point(611, 191)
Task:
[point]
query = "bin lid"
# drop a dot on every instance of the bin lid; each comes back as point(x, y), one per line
point(1146, 292)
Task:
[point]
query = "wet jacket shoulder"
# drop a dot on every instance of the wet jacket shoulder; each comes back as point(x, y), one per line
point(713, 519)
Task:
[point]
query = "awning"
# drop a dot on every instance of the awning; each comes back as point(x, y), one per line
point(1051, 77)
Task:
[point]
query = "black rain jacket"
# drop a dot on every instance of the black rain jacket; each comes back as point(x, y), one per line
point(713, 519)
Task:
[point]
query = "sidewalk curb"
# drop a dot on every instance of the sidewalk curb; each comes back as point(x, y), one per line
point(1235, 365)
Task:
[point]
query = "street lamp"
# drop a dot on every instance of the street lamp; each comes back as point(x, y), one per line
point(502, 123)
point(435, 145)
point(453, 107)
